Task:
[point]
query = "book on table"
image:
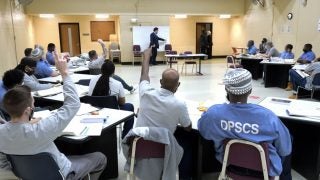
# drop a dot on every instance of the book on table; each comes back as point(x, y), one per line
point(304, 109)
point(88, 125)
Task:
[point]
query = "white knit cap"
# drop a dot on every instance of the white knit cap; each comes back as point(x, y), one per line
point(238, 81)
point(37, 53)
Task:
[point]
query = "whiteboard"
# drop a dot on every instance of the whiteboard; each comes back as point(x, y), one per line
point(141, 36)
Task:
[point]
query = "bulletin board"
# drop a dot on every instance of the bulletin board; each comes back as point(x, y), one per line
point(102, 30)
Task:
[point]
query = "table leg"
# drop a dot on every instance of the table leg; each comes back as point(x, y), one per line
point(199, 73)
point(199, 158)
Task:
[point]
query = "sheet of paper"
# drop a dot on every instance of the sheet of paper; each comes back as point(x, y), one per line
point(300, 66)
point(85, 109)
point(76, 128)
point(304, 108)
point(42, 114)
point(49, 92)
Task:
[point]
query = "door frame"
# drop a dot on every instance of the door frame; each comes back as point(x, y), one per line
point(73, 23)
point(196, 31)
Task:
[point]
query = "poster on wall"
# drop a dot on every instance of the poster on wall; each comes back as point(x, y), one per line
point(319, 25)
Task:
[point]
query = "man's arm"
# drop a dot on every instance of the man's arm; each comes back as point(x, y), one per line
point(104, 49)
point(145, 66)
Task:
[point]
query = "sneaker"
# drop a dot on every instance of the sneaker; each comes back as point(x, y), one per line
point(293, 96)
point(132, 90)
point(289, 87)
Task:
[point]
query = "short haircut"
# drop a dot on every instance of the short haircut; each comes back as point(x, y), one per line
point(92, 53)
point(26, 61)
point(289, 46)
point(12, 77)
point(269, 43)
point(51, 47)
point(27, 52)
point(155, 29)
point(16, 100)
point(309, 46)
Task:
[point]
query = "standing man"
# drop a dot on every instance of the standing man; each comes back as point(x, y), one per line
point(209, 49)
point(203, 43)
point(154, 43)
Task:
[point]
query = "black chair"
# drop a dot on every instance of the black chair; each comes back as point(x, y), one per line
point(4, 115)
point(35, 167)
point(84, 82)
point(95, 71)
point(303, 92)
point(101, 101)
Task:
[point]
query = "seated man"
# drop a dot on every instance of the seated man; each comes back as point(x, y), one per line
point(307, 56)
point(160, 108)
point(20, 137)
point(96, 63)
point(262, 46)
point(271, 50)
point(287, 53)
point(49, 56)
point(28, 66)
point(252, 50)
point(241, 120)
point(43, 69)
point(303, 79)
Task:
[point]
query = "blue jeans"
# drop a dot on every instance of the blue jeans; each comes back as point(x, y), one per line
point(296, 79)
point(128, 124)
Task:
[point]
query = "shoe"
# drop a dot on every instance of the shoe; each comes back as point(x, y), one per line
point(289, 86)
point(293, 96)
point(132, 90)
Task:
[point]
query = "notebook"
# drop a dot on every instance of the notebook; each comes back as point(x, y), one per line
point(304, 108)
point(78, 127)
point(49, 92)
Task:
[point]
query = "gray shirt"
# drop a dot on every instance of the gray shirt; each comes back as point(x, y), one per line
point(311, 69)
point(96, 64)
point(29, 139)
point(273, 52)
point(33, 83)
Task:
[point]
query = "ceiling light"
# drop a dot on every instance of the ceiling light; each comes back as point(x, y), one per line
point(180, 16)
point(224, 16)
point(134, 20)
point(46, 15)
point(102, 16)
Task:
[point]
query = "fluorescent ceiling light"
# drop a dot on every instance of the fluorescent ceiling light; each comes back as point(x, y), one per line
point(180, 16)
point(102, 16)
point(224, 16)
point(46, 15)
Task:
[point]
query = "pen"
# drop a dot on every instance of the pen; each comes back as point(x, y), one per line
point(84, 130)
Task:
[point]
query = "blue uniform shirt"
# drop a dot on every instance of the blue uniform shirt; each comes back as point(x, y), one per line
point(43, 69)
point(3, 91)
point(287, 55)
point(249, 122)
point(252, 50)
point(50, 58)
point(309, 56)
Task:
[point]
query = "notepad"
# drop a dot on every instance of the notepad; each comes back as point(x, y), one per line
point(304, 108)
point(77, 128)
point(49, 92)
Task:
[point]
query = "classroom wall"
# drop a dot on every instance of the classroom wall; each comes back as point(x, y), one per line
point(183, 34)
point(47, 30)
point(142, 6)
point(23, 35)
point(271, 22)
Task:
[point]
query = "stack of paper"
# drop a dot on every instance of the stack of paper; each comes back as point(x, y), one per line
point(49, 92)
point(304, 108)
point(77, 128)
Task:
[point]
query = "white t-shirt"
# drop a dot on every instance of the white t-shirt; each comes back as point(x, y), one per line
point(116, 88)
point(160, 108)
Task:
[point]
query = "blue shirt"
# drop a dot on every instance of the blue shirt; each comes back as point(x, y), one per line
point(3, 91)
point(287, 55)
point(249, 122)
point(308, 56)
point(50, 58)
point(43, 69)
point(252, 50)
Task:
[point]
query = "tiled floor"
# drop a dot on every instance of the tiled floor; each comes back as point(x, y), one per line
point(195, 88)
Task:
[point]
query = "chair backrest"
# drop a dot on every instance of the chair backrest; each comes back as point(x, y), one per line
point(249, 155)
point(147, 149)
point(84, 82)
point(168, 47)
point(188, 52)
point(101, 101)
point(136, 48)
point(95, 71)
point(173, 52)
point(114, 46)
point(316, 80)
point(35, 167)
point(230, 60)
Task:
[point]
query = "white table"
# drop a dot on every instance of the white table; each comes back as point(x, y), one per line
point(81, 90)
point(75, 78)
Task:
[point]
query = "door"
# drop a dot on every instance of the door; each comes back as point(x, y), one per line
point(199, 28)
point(70, 38)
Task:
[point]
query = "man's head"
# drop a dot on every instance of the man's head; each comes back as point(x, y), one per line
point(155, 30)
point(37, 54)
point(51, 47)
point(170, 80)
point(93, 55)
point(264, 40)
point(269, 45)
point(18, 102)
point(250, 43)
point(307, 48)
point(238, 85)
point(12, 78)
point(27, 65)
point(27, 52)
point(208, 33)
point(288, 48)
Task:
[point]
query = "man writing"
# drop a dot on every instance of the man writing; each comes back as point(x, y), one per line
point(160, 108)
point(154, 43)
point(20, 137)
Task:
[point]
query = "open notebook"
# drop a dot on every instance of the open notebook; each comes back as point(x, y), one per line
point(90, 125)
point(304, 108)
point(49, 92)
